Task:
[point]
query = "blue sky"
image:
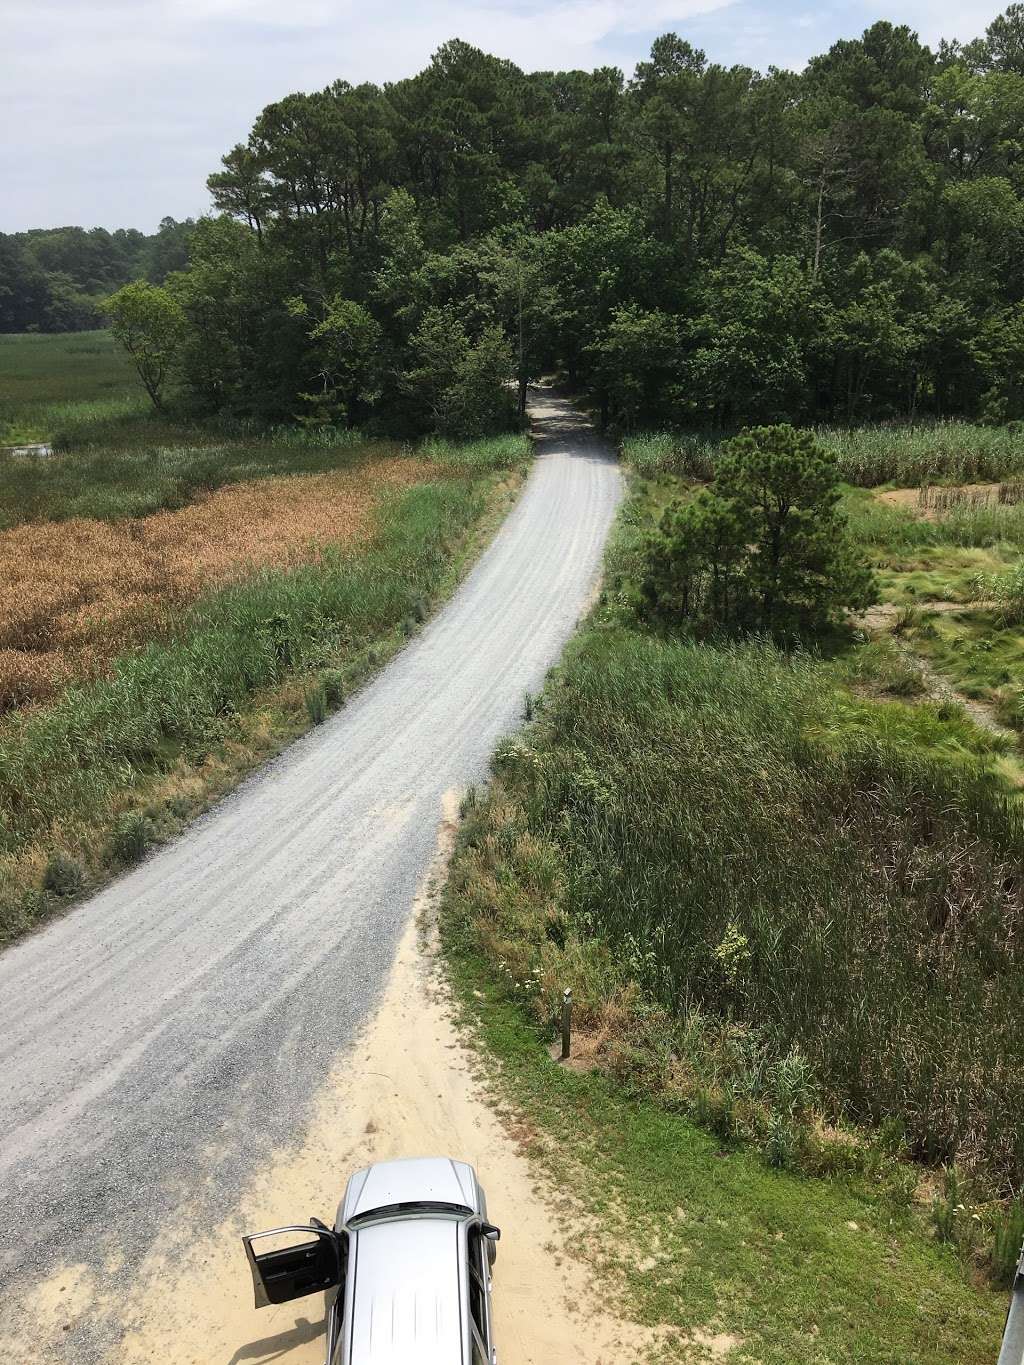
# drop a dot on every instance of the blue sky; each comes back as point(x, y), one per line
point(115, 111)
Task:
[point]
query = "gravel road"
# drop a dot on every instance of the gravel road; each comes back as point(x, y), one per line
point(162, 1038)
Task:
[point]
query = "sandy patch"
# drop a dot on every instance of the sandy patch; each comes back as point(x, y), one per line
point(933, 502)
point(410, 1087)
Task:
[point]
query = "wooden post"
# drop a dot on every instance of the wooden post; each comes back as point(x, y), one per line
point(566, 1022)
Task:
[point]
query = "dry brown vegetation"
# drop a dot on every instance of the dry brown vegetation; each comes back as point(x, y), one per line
point(932, 501)
point(74, 593)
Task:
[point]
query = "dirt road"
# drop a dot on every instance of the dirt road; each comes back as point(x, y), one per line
point(407, 1086)
point(173, 1035)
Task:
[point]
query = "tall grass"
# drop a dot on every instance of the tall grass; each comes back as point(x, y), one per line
point(878, 523)
point(942, 452)
point(479, 456)
point(110, 483)
point(714, 819)
point(69, 761)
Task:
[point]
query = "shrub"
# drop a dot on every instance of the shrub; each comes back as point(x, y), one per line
point(333, 683)
point(64, 875)
point(764, 548)
point(133, 834)
point(316, 704)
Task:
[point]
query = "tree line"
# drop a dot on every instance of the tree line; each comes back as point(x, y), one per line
point(697, 244)
point(55, 279)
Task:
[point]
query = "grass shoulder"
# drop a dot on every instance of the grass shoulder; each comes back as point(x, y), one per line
point(700, 1240)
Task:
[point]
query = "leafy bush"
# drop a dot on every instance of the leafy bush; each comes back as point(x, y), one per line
point(763, 548)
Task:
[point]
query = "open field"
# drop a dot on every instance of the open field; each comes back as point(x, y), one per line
point(952, 576)
point(46, 380)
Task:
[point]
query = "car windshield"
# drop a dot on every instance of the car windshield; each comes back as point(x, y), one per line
point(409, 1207)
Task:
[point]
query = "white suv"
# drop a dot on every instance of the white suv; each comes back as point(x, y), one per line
point(406, 1267)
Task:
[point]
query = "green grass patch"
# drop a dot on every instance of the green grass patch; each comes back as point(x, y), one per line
point(971, 556)
point(44, 379)
point(982, 660)
point(897, 529)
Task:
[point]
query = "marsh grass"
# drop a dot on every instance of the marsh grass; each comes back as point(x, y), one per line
point(728, 831)
point(896, 529)
point(941, 452)
point(74, 594)
point(145, 475)
point(46, 381)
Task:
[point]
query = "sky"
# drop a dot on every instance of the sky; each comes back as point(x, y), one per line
point(113, 112)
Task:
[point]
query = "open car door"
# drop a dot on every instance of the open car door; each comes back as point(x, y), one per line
point(294, 1262)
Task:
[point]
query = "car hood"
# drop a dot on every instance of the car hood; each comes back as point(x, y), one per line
point(432, 1180)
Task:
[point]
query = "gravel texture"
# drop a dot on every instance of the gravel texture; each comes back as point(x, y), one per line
point(165, 1036)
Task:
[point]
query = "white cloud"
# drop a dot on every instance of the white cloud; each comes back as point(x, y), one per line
point(116, 110)
point(124, 106)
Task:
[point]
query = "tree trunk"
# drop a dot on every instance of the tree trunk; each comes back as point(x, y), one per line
point(818, 224)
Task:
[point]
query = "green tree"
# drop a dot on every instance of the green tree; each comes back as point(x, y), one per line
point(147, 320)
point(764, 547)
point(754, 324)
point(479, 402)
point(438, 350)
point(348, 353)
point(999, 351)
point(1004, 40)
point(637, 360)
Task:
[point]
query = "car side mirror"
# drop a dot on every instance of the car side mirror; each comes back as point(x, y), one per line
point(489, 1231)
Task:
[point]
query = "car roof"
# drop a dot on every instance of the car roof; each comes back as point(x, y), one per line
point(416, 1180)
point(406, 1304)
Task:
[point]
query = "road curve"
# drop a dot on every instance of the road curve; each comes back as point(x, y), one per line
point(159, 1040)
